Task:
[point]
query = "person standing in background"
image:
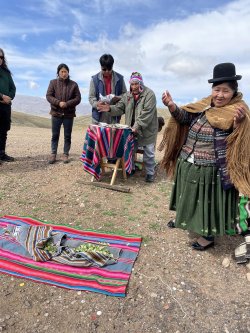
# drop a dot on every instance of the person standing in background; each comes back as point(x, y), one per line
point(7, 94)
point(105, 82)
point(64, 95)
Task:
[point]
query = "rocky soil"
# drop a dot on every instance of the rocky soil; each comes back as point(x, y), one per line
point(172, 287)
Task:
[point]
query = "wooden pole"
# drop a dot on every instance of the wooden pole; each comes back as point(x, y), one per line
point(107, 186)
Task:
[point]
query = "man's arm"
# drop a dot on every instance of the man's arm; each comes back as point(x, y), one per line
point(149, 108)
point(114, 110)
point(92, 95)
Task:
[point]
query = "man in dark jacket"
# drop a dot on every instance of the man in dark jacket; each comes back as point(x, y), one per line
point(104, 83)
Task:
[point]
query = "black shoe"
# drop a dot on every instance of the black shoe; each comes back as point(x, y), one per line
point(149, 178)
point(6, 158)
point(171, 224)
point(197, 246)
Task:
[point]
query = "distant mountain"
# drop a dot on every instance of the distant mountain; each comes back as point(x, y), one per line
point(38, 106)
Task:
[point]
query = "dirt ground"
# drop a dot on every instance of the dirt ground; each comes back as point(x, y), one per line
point(172, 287)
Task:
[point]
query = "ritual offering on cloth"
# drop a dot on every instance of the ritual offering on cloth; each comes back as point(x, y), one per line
point(66, 257)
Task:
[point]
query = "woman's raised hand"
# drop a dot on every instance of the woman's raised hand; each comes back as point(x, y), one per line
point(168, 101)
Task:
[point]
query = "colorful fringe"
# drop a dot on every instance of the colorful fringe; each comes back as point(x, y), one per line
point(110, 280)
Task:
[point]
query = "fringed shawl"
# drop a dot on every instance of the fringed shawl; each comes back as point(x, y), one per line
point(238, 142)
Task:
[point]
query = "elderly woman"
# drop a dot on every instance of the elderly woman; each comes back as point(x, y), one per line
point(207, 145)
point(64, 95)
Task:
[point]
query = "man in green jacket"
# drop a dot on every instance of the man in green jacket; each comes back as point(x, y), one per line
point(7, 93)
point(139, 106)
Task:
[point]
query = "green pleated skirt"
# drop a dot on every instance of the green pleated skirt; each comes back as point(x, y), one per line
point(201, 204)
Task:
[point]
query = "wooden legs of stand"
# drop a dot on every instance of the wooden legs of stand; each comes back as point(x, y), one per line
point(124, 173)
point(119, 165)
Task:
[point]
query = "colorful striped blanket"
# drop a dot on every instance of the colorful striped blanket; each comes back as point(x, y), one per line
point(16, 260)
point(106, 142)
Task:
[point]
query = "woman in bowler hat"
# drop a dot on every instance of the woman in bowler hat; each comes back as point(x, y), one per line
point(207, 151)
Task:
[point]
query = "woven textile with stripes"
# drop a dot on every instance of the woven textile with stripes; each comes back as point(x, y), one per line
point(110, 280)
point(106, 142)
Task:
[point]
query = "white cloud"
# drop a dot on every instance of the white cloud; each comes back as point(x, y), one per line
point(24, 37)
point(52, 8)
point(177, 54)
point(107, 6)
point(33, 85)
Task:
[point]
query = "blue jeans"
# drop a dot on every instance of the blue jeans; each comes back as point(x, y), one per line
point(56, 127)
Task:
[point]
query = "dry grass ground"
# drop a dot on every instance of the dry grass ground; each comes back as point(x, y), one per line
point(172, 288)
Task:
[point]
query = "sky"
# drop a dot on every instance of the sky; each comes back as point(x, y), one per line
point(173, 44)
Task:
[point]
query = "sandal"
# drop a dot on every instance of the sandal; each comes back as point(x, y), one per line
point(171, 224)
point(203, 243)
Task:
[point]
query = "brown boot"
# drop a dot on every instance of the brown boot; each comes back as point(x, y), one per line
point(65, 158)
point(52, 159)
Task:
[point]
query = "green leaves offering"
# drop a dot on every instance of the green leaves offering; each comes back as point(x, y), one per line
point(50, 247)
point(88, 247)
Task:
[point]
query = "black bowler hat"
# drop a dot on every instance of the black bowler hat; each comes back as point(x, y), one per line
point(224, 72)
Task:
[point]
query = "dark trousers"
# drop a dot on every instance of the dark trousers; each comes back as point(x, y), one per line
point(56, 127)
point(5, 120)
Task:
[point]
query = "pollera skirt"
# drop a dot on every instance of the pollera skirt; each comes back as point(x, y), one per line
point(200, 202)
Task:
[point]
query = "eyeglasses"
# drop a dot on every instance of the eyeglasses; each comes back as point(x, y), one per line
point(2, 57)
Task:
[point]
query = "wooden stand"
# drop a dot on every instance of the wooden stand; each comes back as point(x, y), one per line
point(119, 165)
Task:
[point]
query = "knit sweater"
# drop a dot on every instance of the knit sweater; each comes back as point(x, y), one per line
point(204, 145)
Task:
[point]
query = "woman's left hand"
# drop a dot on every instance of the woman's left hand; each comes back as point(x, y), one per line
point(6, 99)
point(240, 114)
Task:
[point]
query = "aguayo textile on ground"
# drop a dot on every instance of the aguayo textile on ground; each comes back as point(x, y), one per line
point(106, 142)
point(111, 279)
